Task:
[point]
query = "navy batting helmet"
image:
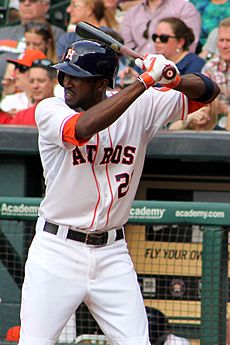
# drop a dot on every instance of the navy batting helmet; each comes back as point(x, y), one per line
point(88, 59)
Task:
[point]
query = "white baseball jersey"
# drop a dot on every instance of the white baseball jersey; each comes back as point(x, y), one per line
point(107, 168)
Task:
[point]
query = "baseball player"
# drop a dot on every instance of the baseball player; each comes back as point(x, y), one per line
point(92, 149)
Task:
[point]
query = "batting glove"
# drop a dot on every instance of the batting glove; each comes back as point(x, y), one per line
point(153, 65)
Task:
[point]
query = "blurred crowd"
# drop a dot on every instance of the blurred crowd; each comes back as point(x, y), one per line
point(194, 34)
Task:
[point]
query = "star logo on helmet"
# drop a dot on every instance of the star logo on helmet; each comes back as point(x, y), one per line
point(70, 54)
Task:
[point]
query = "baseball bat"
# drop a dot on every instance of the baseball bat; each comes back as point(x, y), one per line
point(88, 31)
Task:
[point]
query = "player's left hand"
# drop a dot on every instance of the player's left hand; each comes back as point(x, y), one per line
point(154, 65)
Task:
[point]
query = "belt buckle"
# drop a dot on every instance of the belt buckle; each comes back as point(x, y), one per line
point(97, 239)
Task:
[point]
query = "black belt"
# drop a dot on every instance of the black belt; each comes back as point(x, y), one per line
point(97, 239)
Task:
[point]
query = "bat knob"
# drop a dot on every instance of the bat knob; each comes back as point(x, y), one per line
point(169, 72)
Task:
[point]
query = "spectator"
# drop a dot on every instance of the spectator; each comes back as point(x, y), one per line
point(42, 80)
point(159, 330)
point(5, 118)
point(218, 68)
point(90, 11)
point(13, 13)
point(215, 115)
point(210, 46)
point(39, 36)
point(212, 12)
point(114, 13)
point(12, 41)
point(204, 119)
point(173, 39)
point(19, 96)
point(139, 22)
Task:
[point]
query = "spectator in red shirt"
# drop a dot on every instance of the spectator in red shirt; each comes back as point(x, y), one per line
point(42, 80)
point(16, 93)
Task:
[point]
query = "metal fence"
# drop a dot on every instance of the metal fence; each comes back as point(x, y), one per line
point(180, 252)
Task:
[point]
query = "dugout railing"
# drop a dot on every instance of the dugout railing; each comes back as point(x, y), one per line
point(206, 325)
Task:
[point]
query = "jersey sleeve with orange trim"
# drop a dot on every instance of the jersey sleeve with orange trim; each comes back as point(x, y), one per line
point(193, 105)
point(68, 133)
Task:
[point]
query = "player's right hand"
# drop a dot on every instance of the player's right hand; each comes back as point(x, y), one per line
point(154, 65)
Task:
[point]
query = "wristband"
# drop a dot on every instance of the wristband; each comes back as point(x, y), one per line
point(146, 79)
point(173, 83)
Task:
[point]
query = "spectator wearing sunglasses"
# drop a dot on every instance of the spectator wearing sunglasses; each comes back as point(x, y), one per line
point(173, 39)
point(12, 41)
point(42, 80)
point(19, 95)
point(139, 22)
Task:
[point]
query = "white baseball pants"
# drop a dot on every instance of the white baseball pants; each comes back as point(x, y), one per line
point(60, 274)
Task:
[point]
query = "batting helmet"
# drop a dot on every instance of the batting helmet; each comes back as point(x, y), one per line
point(88, 59)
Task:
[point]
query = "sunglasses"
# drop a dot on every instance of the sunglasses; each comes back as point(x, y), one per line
point(163, 38)
point(42, 63)
point(22, 68)
point(37, 26)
